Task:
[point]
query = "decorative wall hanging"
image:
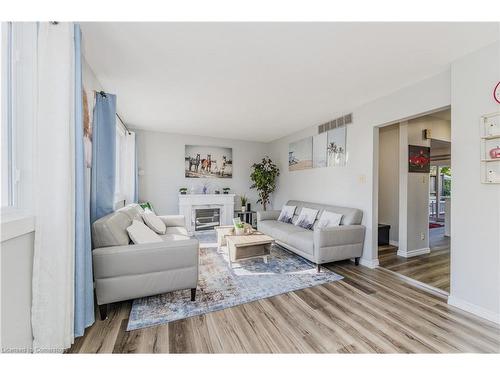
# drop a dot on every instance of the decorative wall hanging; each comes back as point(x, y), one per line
point(336, 149)
point(300, 154)
point(208, 161)
point(320, 150)
point(419, 159)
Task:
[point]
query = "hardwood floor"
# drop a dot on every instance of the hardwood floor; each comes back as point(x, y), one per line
point(369, 311)
point(432, 269)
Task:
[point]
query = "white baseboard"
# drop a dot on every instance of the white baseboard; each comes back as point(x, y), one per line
point(394, 243)
point(370, 263)
point(474, 309)
point(428, 288)
point(413, 253)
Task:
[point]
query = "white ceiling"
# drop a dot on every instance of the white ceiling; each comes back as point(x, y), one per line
point(261, 81)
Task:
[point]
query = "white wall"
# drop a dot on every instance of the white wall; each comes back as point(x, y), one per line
point(90, 82)
point(388, 196)
point(161, 166)
point(417, 185)
point(475, 218)
point(417, 213)
point(354, 185)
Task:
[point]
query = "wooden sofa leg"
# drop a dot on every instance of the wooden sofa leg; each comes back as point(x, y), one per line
point(356, 261)
point(318, 268)
point(103, 311)
point(193, 294)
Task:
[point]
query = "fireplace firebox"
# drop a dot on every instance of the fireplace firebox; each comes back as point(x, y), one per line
point(206, 218)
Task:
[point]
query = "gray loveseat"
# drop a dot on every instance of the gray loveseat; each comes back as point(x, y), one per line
point(317, 245)
point(125, 271)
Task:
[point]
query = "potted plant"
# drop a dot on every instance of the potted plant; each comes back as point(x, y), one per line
point(264, 176)
point(226, 190)
point(183, 190)
point(239, 229)
point(243, 200)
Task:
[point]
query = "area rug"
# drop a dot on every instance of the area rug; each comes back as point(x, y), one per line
point(221, 286)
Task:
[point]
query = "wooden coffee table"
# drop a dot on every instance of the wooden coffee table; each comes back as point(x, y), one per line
point(248, 246)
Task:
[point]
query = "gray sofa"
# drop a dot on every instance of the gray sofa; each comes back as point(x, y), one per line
point(125, 271)
point(317, 245)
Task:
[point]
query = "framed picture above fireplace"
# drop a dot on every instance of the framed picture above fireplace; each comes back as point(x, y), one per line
point(208, 161)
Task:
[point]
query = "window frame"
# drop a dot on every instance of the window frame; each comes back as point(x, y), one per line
point(6, 117)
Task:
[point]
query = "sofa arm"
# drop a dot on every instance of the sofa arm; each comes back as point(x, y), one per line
point(144, 258)
point(173, 220)
point(268, 215)
point(338, 236)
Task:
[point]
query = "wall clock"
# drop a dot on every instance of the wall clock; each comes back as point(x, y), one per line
point(496, 92)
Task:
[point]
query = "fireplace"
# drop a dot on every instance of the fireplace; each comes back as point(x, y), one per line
point(216, 209)
point(206, 218)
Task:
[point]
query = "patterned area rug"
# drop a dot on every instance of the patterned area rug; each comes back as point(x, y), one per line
point(221, 286)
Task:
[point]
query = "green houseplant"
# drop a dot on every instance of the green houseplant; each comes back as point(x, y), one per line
point(183, 190)
point(243, 200)
point(264, 176)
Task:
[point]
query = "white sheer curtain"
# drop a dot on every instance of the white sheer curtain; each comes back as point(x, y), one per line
point(128, 167)
point(125, 166)
point(53, 264)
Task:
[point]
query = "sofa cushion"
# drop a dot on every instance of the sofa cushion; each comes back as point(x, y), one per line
point(147, 258)
point(286, 214)
point(133, 211)
point(303, 241)
point(111, 230)
point(350, 216)
point(306, 218)
point(329, 219)
point(140, 233)
point(174, 237)
point(154, 222)
point(278, 230)
point(177, 230)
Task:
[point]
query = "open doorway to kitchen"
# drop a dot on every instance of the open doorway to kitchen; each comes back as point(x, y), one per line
point(414, 199)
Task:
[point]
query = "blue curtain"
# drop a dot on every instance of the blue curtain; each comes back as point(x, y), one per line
point(84, 301)
point(103, 156)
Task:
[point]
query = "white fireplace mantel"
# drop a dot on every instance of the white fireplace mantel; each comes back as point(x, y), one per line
point(189, 202)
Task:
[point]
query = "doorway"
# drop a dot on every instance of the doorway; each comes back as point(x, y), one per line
point(414, 203)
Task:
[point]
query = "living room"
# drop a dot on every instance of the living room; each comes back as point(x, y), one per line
point(218, 187)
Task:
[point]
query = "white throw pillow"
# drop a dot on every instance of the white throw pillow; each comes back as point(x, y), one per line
point(286, 214)
point(140, 233)
point(154, 222)
point(329, 219)
point(306, 218)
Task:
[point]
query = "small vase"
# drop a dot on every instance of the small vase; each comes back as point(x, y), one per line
point(249, 207)
point(243, 209)
point(239, 231)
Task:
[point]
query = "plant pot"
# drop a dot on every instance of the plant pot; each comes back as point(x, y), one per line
point(183, 192)
point(226, 192)
point(243, 209)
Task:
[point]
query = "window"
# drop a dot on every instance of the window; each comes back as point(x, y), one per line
point(119, 178)
point(6, 113)
point(125, 165)
point(18, 69)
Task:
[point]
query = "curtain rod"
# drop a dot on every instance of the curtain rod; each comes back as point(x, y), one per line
point(117, 115)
